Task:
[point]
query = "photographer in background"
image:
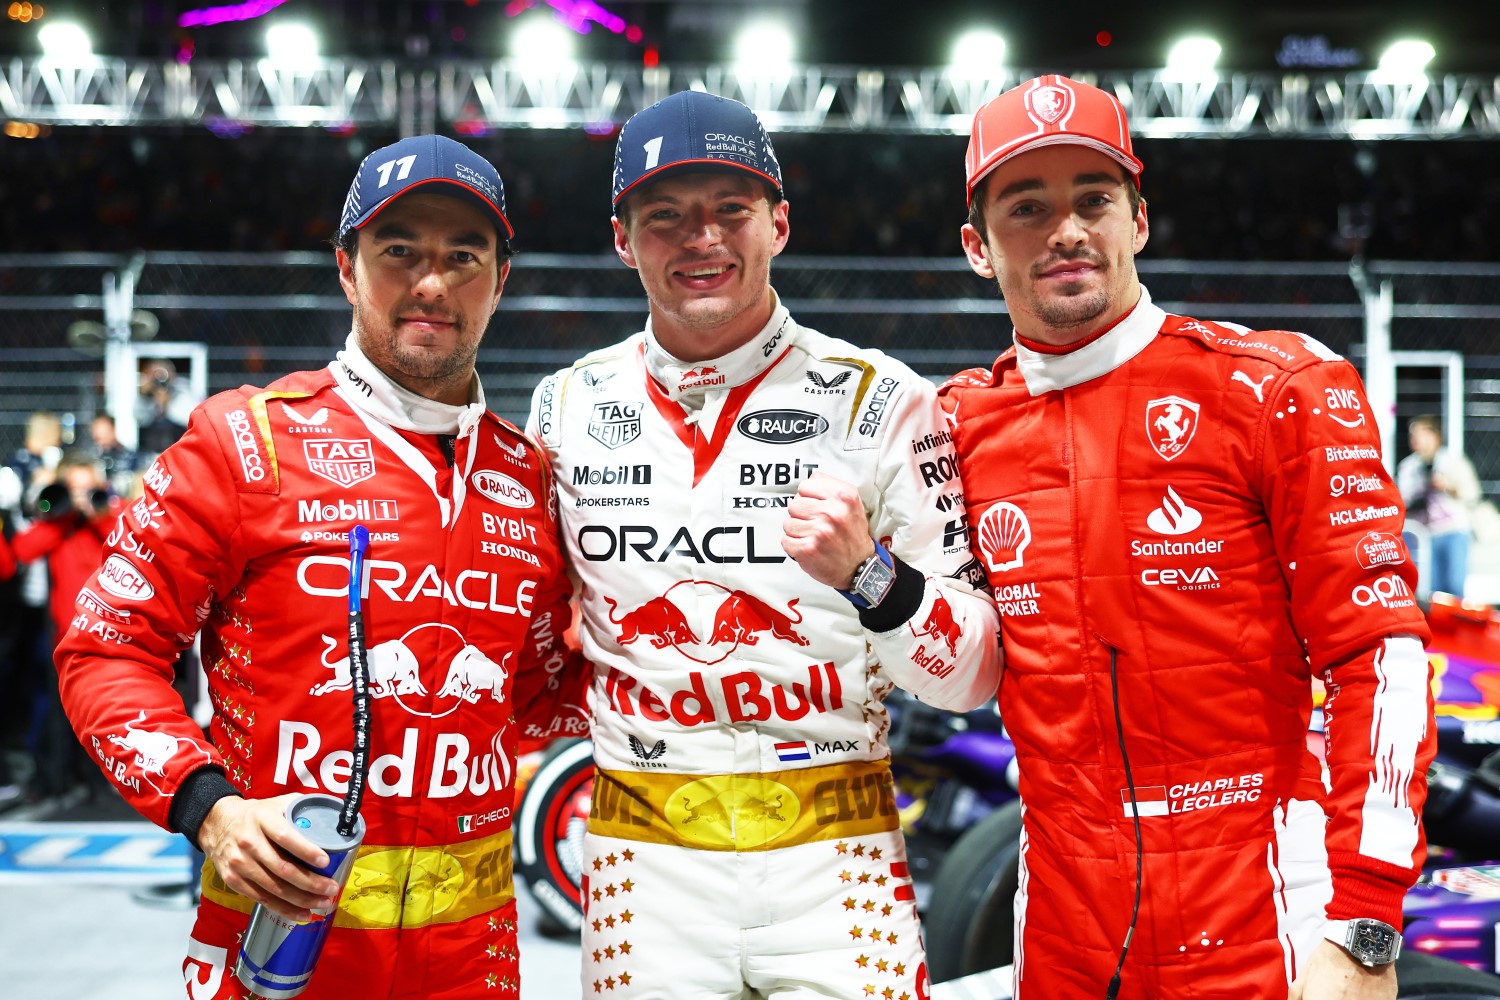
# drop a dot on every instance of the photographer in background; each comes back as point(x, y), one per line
point(1440, 488)
point(72, 518)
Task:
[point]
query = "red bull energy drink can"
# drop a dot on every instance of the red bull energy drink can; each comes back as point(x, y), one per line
point(278, 956)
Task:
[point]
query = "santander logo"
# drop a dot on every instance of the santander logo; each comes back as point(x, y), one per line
point(1174, 516)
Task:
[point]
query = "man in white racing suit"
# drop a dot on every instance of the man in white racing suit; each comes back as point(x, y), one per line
point(769, 531)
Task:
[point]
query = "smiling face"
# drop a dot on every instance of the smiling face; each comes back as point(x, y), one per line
point(1060, 240)
point(424, 284)
point(703, 243)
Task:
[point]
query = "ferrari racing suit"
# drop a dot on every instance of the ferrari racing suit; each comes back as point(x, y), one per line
point(744, 833)
point(243, 531)
point(1183, 522)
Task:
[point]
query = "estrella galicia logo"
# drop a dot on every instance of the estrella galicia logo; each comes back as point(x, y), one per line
point(781, 426)
point(615, 424)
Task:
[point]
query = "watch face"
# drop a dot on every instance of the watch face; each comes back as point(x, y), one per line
point(1372, 941)
point(874, 581)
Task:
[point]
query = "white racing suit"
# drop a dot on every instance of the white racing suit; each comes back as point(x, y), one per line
point(744, 837)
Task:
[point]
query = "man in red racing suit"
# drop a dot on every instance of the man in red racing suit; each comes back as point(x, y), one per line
point(243, 533)
point(1182, 522)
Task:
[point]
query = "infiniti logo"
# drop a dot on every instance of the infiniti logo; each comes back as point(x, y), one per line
point(1174, 516)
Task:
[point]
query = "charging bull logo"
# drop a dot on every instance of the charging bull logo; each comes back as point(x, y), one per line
point(152, 750)
point(742, 811)
point(940, 625)
point(432, 657)
point(741, 619)
point(472, 673)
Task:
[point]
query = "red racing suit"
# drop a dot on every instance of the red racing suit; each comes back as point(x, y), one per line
point(744, 830)
point(243, 532)
point(1197, 514)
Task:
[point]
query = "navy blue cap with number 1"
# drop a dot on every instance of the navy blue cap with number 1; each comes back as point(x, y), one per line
point(692, 131)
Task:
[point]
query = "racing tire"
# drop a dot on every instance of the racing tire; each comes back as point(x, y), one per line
point(549, 831)
point(1420, 976)
point(970, 921)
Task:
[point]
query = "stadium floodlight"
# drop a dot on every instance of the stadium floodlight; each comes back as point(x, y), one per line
point(979, 52)
point(291, 44)
point(1406, 59)
point(764, 47)
point(539, 42)
point(65, 43)
point(1193, 57)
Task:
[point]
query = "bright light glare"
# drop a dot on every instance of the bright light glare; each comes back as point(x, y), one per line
point(764, 45)
point(541, 41)
point(978, 52)
point(1408, 57)
point(1193, 55)
point(291, 44)
point(64, 41)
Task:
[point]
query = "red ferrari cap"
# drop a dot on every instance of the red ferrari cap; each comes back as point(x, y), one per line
point(1047, 111)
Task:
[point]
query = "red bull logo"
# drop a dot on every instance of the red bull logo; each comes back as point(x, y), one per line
point(745, 695)
point(701, 378)
point(940, 625)
point(741, 619)
point(742, 811)
point(455, 668)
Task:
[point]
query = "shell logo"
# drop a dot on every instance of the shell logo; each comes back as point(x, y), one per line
point(732, 811)
point(1004, 534)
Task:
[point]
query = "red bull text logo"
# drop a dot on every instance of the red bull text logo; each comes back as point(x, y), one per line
point(457, 767)
point(745, 696)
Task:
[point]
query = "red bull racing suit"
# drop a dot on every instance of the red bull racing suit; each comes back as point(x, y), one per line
point(744, 832)
point(1197, 513)
point(243, 532)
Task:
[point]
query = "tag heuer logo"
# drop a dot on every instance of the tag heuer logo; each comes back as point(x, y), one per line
point(615, 424)
point(340, 460)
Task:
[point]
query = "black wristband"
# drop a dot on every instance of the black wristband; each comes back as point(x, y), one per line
point(900, 604)
point(195, 796)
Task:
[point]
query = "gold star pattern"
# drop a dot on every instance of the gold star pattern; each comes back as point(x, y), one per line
point(862, 961)
point(598, 986)
point(494, 923)
point(891, 937)
point(627, 885)
point(492, 951)
point(625, 916)
point(596, 956)
point(844, 876)
point(874, 854)
point(598, 924)
point(881, 880)
point(624, 979)
point(610, 859)
point(598, 895)
point(609, 952)
point(874, 934)
point(885, 910)
point(856, 933)
point(888, 993)
point(864, 878)
point(598, 865)
point(609, 982)
point(849, 903)
point(900, 969)
point(610, 890)
point(869, 905)
point(883, 965)
point(491, 981)
point(841, 847)
point(628, 855)
point(624, 947)
point(869, 990)
point(609, 922)
point(905, 995)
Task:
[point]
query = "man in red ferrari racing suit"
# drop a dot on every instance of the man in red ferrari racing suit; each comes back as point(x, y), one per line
point(1182, 522)
point(719, 476)
point(243, 533)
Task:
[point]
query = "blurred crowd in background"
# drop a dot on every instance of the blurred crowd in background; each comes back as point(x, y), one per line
point(95, 190)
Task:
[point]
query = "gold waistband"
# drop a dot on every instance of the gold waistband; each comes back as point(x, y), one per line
point(409, 887)
point(745, 812)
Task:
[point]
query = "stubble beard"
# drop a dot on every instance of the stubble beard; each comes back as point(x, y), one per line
point(381, 345)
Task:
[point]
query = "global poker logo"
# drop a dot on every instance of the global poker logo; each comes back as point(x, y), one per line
point(741, 619)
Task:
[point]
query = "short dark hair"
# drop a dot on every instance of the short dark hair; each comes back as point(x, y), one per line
point(622, 210)
point(976, 206)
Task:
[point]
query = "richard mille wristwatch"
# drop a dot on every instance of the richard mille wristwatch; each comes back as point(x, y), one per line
point(1371, 943)
point(872, 580)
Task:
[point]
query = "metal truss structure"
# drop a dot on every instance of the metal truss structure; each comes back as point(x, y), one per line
point(424, 96)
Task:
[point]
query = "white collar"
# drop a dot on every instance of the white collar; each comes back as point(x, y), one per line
point(1126, 339)
point(372, 390)
point(689, 381)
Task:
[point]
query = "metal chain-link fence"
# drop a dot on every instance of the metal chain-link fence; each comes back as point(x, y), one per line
point(261, 315)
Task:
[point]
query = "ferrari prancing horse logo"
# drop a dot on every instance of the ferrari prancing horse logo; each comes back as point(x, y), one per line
point(1171, 423)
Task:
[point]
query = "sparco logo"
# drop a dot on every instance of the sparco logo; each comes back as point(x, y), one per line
point(119, 576)
point(781, 426)
point(502, 489)
point(869, 420)
point(1389, 591)
point(244, 442)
